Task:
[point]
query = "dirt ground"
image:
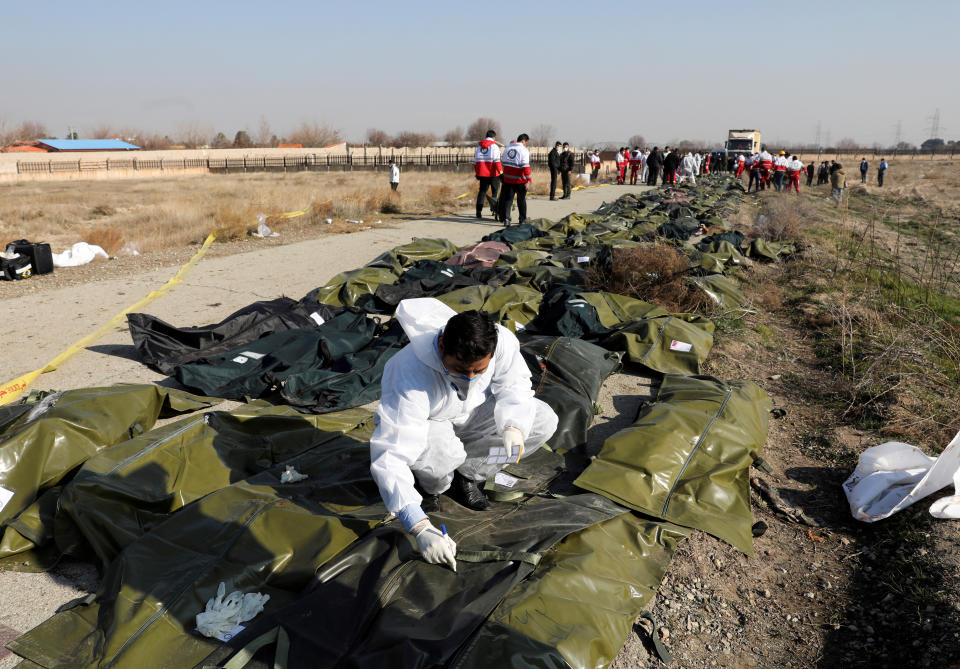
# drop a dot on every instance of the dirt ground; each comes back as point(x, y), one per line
point(838, 593)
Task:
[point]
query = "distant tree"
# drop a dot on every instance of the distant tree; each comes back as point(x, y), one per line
point(193, 135)
point(102, 132)
point(543, 135)
point(412, 139)
point(478, 129)
point(264, 133)
point(314, 135)
point(220, 141)
point(932, 144)
point(637, 140)
point(377, 137)
point(847, 144)
point(242, 140)
point(454, 136)
point(905, 146)
point(26, 131)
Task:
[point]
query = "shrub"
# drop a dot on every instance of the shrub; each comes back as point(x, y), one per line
point(654, 273)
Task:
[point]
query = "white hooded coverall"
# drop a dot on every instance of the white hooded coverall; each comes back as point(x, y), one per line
point(424, 427)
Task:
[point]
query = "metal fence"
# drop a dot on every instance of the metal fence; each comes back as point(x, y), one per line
point(344, 162)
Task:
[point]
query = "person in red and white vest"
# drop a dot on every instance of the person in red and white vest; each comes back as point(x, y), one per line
point(516, 179)
point(766, 167)
point(595, 165)
point(621, 164)
point(486, 165)
point(634, 165)
point(741, 163)
point(794, 170)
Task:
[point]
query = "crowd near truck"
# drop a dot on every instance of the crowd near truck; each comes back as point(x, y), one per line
point(743, 141)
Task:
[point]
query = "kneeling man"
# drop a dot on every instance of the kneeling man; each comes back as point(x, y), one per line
point(457, 406)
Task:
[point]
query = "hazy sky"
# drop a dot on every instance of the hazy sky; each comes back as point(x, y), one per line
point(595, 70)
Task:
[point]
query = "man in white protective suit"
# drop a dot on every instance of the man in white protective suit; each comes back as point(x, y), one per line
point(457, 406)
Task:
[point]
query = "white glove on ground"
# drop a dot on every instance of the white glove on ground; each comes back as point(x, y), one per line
point(435, 546)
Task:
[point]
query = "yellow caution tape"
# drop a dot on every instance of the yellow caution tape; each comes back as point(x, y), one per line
point(290, 214)
point(11, 390)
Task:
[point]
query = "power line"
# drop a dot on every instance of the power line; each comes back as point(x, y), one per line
point(934, 127)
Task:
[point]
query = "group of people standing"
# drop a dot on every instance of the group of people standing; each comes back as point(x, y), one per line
point(766, 171)
point(670, 165)
point(511, 168)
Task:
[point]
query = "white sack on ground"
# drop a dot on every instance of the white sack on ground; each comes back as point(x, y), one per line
point(80, 254)
point(892, 476)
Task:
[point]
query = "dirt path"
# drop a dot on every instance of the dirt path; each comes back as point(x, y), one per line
point(53, 319)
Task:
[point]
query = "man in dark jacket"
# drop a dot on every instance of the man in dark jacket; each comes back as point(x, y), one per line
point(566, 166)
point(670, 165)
point(810, 171)
point(553, 162)
point(654, 163)
point(864, 166)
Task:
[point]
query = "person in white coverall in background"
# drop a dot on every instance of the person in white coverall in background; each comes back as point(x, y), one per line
point(688, 168)
point(457, 405)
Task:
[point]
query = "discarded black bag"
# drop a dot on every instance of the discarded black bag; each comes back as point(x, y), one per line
point(16, 268)
point(39, 253)
point(165, 347)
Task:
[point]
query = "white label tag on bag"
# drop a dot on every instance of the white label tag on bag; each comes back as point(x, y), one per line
point(317, 318)
point(5, 496)
point(505, 480)
point(241, 359)
point(226, 636)
point(252, 354)
point(583, 259)
point(518, 327)
point(681, 346)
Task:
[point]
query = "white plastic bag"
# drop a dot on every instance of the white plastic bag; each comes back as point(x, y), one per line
point(80, 253)
point(223, 615)
point(892, 476)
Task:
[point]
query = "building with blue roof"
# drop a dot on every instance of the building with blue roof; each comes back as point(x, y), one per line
point(86, 145)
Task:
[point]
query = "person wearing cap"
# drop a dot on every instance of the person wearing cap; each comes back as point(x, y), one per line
point(779, 171)
point(864, 166)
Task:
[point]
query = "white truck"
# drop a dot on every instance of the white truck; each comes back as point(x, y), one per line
point(743, 141)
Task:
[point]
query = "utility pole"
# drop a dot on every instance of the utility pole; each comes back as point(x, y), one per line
point(935, 125)
point(899, 139)
point(819, 146)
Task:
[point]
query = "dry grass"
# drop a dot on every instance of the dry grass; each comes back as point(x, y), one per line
point(164, 213)
point(879, 292)
point(654, 273)
point(782, 219)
